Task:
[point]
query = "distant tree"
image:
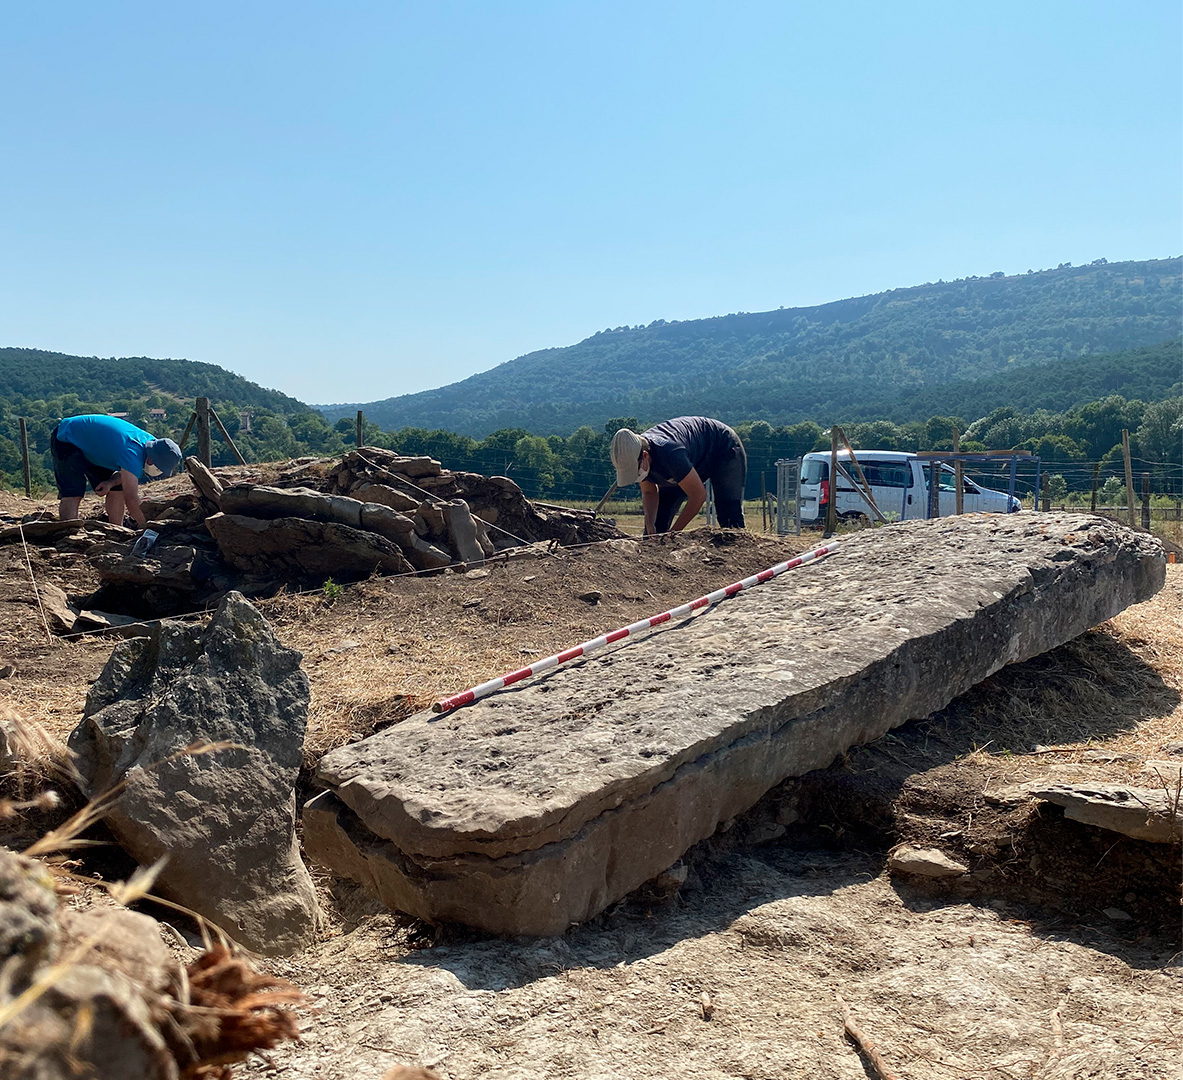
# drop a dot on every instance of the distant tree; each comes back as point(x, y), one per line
point(611, 427)
point(534, 465)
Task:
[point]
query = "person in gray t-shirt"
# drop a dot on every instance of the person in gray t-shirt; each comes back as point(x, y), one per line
point(672, 461)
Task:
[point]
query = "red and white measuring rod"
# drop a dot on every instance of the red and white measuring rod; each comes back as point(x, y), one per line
point(551, 662)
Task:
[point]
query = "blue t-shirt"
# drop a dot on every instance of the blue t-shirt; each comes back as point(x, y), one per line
point(108, 442)
point(687, 442)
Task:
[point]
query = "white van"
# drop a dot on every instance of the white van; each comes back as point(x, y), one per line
point(899, 485)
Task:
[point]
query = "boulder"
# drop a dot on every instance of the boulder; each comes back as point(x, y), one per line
point(385, 495)
point(56, 605)
point(254, 500)
point(208, 485)
point(430, 521)
point(224, 818)
point(1140, 813)
point(28, 918)
point(166, 564)
point(462, 533)
point(539, 806)
point(424, 555)
point(99, 1015)
point(41, 532)
point(386, 522)
point(301, 547)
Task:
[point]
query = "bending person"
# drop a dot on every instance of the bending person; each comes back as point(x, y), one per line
point(672, 461)
point(113, 455)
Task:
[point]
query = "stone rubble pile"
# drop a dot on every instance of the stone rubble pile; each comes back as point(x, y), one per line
point(372, 512)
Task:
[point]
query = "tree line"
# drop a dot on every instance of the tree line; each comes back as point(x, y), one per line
point(1072, 445)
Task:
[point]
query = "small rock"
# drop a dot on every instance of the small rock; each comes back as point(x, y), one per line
point(924, 862)
point(1117, 915)
point(668, 882)
point(7, 671)
point(1105, 757)
point(592, 597)
point(345, 646)
point(1172, 748)
point(476, 601)
point(57, 607)
point(787, 815)
point(472, 574)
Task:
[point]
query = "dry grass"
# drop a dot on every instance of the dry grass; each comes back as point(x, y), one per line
point(1116, 690)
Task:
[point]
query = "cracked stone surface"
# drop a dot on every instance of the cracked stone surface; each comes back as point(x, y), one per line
point(538, 807)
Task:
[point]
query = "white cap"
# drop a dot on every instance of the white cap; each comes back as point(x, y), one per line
point(626, 456)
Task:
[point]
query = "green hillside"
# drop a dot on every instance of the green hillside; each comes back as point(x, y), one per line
point(868, 354)
point(36, 374)
point(42, 387)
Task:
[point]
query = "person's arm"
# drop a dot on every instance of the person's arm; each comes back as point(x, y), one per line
point(696, 497)
point(649, 500)
point(131, 496)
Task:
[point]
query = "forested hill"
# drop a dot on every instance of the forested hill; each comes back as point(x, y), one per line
point(35, 374)
point(869, 354)
point(40, 387)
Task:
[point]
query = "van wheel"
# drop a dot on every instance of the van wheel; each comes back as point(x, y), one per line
point(855, 519)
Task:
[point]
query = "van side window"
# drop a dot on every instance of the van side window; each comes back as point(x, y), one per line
point(948, 480)
point(891, 474)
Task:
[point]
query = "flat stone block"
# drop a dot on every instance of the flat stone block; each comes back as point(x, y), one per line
point(539, 806)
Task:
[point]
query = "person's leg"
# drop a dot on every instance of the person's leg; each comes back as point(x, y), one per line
point(669, 502)
point(70, 475)
point(727, 482)
point(115, 507)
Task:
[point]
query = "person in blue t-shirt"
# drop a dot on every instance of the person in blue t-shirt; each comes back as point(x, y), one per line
point(113, 455)
point(673, 461)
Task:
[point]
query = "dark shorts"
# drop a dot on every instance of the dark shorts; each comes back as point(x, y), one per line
point(727, 478)
point(72, 468)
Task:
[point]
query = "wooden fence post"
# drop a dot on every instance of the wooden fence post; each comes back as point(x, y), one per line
point(1096, 474)
point(1129, 475)
point(25, 458)
point(1146, 501)
point(203, 447)
point(1046, 493)
point(360, 425)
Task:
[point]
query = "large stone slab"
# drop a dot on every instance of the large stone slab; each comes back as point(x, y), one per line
point(539, 806)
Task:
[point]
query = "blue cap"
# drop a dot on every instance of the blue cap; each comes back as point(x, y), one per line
point(165, 455)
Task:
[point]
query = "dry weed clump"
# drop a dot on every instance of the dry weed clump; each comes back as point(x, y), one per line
point(36, 757)
point(231, 1011)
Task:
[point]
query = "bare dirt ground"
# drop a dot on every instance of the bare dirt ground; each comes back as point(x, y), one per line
point(1056, 957)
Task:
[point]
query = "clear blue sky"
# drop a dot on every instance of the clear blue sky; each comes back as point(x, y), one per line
point(350, 201)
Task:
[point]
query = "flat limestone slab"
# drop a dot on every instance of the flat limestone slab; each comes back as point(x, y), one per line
point(538, 807)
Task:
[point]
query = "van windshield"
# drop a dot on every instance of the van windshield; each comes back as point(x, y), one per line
point(815, 470)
